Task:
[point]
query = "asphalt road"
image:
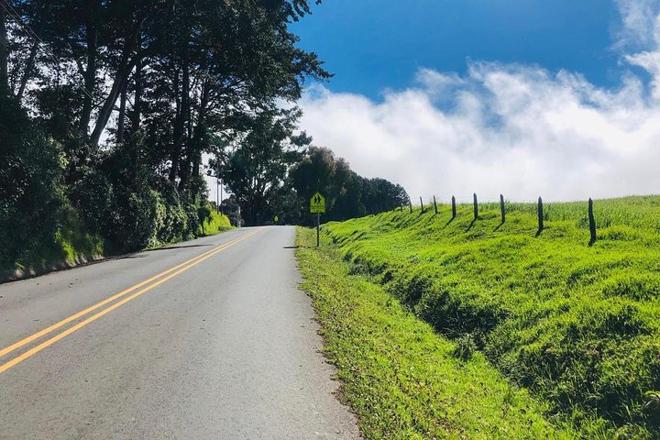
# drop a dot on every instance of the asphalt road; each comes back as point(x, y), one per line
point(222, 346)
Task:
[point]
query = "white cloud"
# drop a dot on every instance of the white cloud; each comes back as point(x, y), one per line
point(639, 24)
point(513, 129)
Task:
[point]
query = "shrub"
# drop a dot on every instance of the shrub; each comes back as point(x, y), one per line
point(31, 193)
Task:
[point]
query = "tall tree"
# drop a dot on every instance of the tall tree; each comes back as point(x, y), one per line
point(255, 168)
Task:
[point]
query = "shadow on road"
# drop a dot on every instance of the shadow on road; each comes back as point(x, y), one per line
point(178, 247)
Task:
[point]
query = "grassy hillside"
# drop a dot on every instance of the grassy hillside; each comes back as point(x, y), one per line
point(577, 325)
point(403, 380)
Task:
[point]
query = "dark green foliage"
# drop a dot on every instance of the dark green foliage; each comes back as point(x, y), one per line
point(270, 173)
point(124, 99)
point(255, 170)
point(347, 194)
point(33, 209)
point(121, 204)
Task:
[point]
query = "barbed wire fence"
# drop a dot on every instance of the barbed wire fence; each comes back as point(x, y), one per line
point(540, 212)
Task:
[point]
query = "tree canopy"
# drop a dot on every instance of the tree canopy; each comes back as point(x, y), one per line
point(123, 101)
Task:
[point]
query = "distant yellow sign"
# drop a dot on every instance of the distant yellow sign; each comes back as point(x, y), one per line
point(317, 204)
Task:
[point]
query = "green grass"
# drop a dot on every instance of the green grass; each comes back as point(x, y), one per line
point(215, 224)
point(71, 244)
point(402, 379)
point(576, 325)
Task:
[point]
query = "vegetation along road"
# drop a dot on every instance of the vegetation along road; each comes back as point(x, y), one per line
point(474, 328)
point(209, 338)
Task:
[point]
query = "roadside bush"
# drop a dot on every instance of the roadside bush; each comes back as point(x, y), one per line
point(31, 195)
point(93, 197)
point(215, 223)
point(173, 225)
point(134, 220)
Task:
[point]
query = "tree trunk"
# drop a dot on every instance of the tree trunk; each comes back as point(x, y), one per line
point(200, 128)
point(138, 88)
point(91, 35)
point(27, 73)
point(121, 79)
point(184, 172)
point(178, 131)
point(104, 115)
point(4, 55)
point(121, 118)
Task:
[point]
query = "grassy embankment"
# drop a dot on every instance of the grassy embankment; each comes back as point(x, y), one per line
point(578, 326)
point(73, 245)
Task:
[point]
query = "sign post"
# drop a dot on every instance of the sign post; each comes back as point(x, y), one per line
point(317, 206)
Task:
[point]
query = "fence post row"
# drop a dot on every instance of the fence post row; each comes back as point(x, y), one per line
point(539, 212)
point(592, 223)
point(502, 210)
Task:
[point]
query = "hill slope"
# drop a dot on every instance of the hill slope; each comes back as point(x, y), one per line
point(577, 325)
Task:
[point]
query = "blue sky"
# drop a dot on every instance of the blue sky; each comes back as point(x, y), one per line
point(527, 98)
point(374, 45)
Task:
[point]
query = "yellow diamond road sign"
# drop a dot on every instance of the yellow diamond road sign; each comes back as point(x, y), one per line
point(317, 204)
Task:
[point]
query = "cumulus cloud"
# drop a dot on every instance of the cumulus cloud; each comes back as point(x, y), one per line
point(513, 129)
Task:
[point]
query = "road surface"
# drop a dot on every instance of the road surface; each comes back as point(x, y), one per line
point(207, 339)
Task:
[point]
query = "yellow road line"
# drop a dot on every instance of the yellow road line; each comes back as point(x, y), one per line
point(181, 268)
point(82, 313)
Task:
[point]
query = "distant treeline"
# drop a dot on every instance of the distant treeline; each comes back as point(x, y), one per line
point(281, 194)
point(347, 194)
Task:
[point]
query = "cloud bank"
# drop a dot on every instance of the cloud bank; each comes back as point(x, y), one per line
point(514, 129)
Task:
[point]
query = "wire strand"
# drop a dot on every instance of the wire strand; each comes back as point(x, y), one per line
point(10, 10)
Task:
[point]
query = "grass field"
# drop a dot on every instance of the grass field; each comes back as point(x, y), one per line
point(402, 379)
point(578, 326)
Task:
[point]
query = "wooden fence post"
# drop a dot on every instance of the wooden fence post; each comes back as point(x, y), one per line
point(421, 203)
point(453, 207)
point(592, 223)
point(410, 204)
point(435, 206)
point(476, 206)
point(502, 210)
point(539, 211)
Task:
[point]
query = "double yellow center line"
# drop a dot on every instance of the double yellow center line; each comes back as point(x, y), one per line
point(123, 297)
